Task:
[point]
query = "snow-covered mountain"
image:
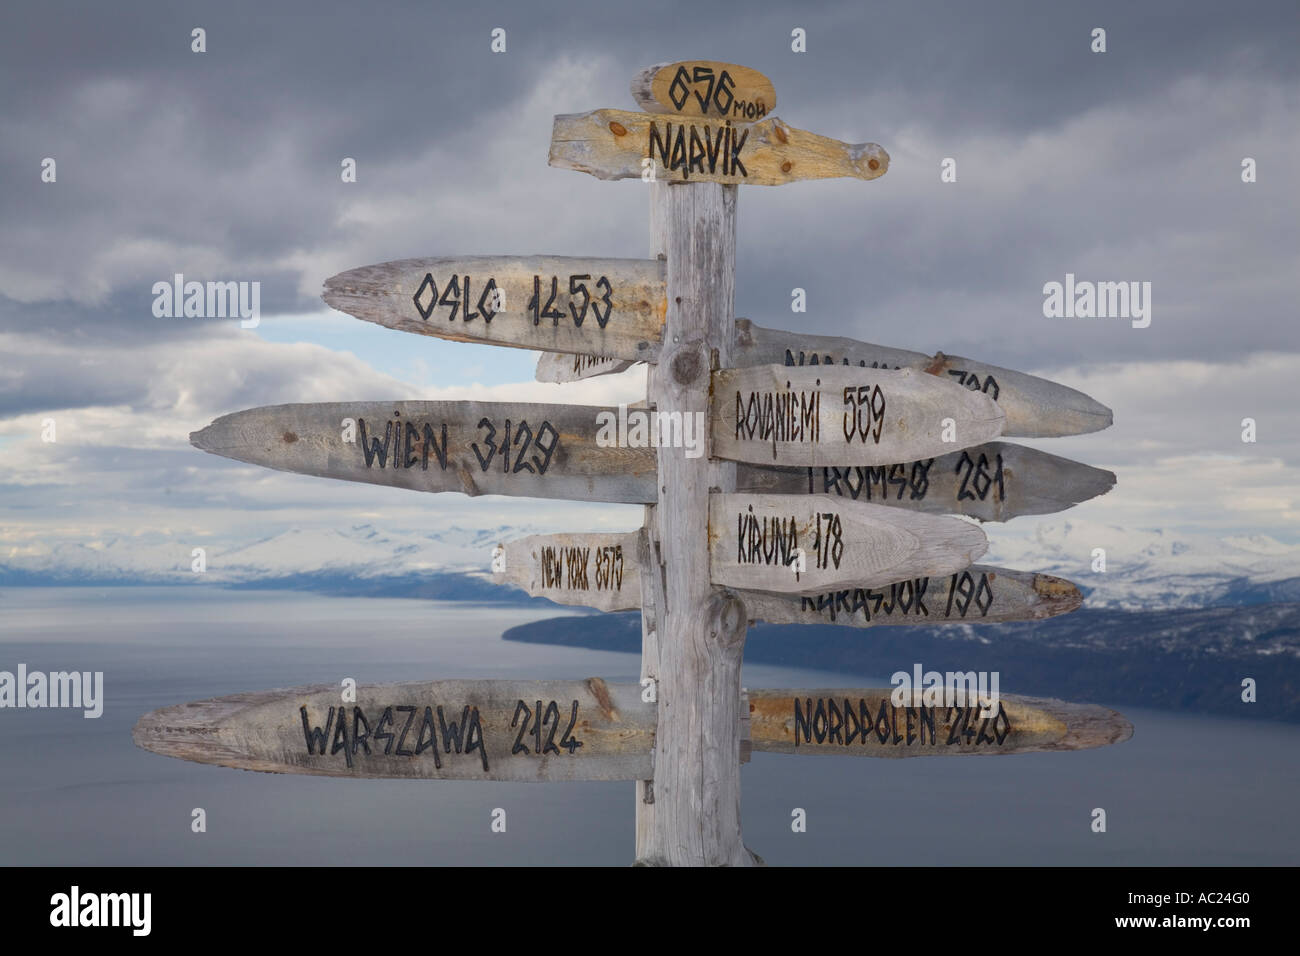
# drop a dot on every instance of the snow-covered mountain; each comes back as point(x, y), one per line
point(1144, 569)
point(1153, 569)
point(361, 551)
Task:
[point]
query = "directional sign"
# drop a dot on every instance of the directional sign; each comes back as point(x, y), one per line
point(613, 144)
point(995, 481)
point(603, 571)
point(815, 543)
point(562, 367)
point(555, 451)
point(1035, 407)
point(834, 415)
point(476, 448)
point(866, 723)
point(704, 88)
point(977, 595)
point(537, 731)
point(591, 570)
point(612, 307)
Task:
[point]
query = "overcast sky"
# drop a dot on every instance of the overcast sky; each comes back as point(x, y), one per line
point(225, 165)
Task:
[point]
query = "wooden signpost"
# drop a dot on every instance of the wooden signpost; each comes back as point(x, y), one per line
point(995, 481)
point(866, 723)
point(552, 731)
point(978, 594)
point(614, 307)
point(571, 451)
point(590, 570)
point(560, 367)
point(1034, 407)
point(448, 730)
point(704, 88)
point(614, 144)
point(821, 485)
point(475, 448)
point(604, 571)
point(814, 543)
point(776, 415)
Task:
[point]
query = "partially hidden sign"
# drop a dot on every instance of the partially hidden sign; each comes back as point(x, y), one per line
point(560, 367)
point(554, 451)
point(451, 730)
point(979, 594)
point(604, 571)
point(1035, 407)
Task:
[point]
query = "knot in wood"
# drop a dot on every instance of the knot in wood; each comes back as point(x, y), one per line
point(728, 619)
point(687, 365)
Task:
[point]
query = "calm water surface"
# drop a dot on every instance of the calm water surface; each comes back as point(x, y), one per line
point(1185, 790)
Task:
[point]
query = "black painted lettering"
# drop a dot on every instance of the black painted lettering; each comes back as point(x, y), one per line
point(385, 720)
point(316, 738)
point(371, 447)
point(410, 718)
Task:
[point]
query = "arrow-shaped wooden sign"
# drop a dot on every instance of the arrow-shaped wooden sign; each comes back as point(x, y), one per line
point(977, 595)
point(603, 571)
point(476, 448)
point(614, 144)
point(1035, 407)
point(530, 731)
point(812, 544)
point(572, 452)
point(866, 723)
point(833, 415)
point(562, 367)
point(995, 481)
point(549, 731)
point(612, 307)
point(589, 570)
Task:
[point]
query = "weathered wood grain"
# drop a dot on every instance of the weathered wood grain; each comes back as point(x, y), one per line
point(586, 730)
point(611, 144)
point(704, 88)
point(865, 723)
point(612, 307)
point(754, 542)
point(565, 367)
point(590, 570)
point(995, 481)
point(977, 595)
point(1035, 407)
point(475, 448)
point(700, 632)
point(838, 415)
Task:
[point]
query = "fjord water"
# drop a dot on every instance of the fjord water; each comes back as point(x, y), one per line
point(1185, 790)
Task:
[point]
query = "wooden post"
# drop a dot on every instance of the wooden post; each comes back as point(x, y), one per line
point(700, 630)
